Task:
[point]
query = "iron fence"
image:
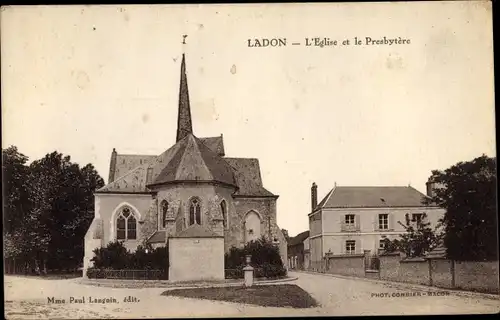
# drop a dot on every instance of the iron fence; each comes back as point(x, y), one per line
point(127, 274)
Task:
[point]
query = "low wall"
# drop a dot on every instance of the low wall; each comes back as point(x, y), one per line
point(442, 273)
point(351, 265)
point(474, 275)
point(389, 266)
point(414, 271)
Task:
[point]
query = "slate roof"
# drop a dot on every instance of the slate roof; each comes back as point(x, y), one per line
point(216, 144)
point(159, 236)
point(196, 231)
point(190, 158)
point(298, 239)
point(248, 179)
point(193, 161)
point(372, 197)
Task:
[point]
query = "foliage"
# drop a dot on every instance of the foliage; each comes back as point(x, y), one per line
point(48, 207)
point(469, 197)
point(419, 239)
point(265, 258)
point(116, 257)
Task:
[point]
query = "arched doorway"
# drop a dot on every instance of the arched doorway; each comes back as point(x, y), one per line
point(252, 226)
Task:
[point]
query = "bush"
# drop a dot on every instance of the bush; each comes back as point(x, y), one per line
point(265, 259)
point(116, 257)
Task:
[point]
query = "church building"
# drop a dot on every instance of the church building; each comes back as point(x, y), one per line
point(190, 191)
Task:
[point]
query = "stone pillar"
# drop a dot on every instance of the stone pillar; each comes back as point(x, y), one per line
point(248, 270)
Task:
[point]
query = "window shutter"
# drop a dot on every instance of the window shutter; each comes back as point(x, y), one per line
point(343, 247)
point(391, 221)
point(357, 221)
point(375, 222)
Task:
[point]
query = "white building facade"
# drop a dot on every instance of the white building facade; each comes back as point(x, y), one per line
point(353, 220)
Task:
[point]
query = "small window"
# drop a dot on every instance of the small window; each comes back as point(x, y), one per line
point(195, 212)
point(349, 219)
point(350, 246)
point(383, 221)
point(223, 209)
point(164, 211)
point(381, 244)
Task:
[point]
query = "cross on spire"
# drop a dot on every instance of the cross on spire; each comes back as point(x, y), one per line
point(184, 38)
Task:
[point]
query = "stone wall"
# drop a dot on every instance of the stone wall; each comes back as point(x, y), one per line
point(441, 272)
point(389, 267)
point(351, 265)
point(471, 275)
point(414, 271)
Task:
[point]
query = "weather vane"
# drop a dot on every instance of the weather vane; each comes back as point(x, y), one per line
point(184, 38)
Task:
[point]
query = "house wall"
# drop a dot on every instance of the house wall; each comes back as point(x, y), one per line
point(366, 230)
point(315, 249)
point(196, 259)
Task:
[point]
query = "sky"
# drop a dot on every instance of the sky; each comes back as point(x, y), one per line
point(83, 80)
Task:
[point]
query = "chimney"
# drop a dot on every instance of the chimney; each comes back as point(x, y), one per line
point(112, 166)
point(429, 186)
point(314, 196)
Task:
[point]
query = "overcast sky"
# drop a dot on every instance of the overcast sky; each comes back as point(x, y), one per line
point(83, 80)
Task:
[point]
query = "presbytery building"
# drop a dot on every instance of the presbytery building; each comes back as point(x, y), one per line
point(192, 196)
point(356, 220)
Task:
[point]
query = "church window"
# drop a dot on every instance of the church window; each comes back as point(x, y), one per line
point(223, 209)
point(126, 225)
point(164, 210)
point(194, 211)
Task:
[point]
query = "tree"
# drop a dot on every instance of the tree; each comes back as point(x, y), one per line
point(468, 194)
point(418, 240)
point(63, 194)
point(48, 207)
point(16, 201)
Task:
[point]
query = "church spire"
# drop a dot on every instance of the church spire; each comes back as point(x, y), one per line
point(184, 124)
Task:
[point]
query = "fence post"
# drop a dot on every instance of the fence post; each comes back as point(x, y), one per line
point(430, 271)
point(452, 270)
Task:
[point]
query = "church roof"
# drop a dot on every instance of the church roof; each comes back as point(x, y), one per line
point(248, 179)
point(216, 144)
point(191, 160)
point(160, 236)
point(359, 197)
point(196, 231)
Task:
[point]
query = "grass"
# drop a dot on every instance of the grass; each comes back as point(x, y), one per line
point(284, 295)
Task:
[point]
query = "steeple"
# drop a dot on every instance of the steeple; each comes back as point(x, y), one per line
point(184, 124)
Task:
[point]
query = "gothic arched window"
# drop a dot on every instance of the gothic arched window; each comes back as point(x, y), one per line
point(164, 210)
point(126, 225)
point(194, 211)
point(223, 209)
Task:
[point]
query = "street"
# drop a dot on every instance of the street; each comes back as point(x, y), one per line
point(35, 298)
